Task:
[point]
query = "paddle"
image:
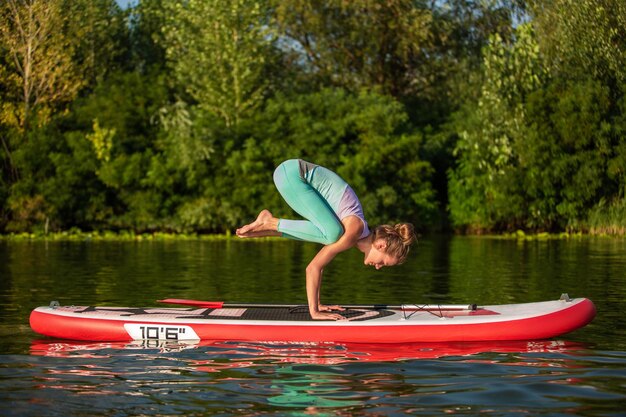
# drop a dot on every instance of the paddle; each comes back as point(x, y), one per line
point(404, 307)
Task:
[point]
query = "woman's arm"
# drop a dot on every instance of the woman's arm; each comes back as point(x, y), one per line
point(353, 228)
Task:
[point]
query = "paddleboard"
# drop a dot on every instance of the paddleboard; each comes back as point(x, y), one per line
point(362, 324)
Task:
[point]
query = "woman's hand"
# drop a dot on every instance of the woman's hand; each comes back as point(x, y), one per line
point(322, 313)
point(319, 315)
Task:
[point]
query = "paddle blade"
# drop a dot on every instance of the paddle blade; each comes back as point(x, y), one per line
point(195, 303)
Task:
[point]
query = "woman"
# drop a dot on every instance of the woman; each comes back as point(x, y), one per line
point(334, 217)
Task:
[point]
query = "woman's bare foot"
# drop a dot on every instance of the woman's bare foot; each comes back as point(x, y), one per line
point(264, 225)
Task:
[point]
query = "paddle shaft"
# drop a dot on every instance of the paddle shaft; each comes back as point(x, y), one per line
point(404, 307)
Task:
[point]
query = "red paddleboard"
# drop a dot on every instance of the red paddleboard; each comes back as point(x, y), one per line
point(373, 324)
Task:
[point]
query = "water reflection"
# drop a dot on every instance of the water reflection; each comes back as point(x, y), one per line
point(246, 354)
point(323, 378)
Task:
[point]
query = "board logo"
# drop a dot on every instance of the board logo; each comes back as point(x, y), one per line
point(141, 331)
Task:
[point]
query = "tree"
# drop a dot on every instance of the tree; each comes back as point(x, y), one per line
point(217, 52)
point(484, 191)
point(50, 51)
point(563, 152)
point(40, 70)
point(99, 31)
point(583, 37)
point(359, 44)
point(584, 44)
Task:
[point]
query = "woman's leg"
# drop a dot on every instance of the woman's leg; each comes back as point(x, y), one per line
point(322, 224)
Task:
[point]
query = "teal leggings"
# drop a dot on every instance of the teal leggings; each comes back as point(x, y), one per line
point(322, 224)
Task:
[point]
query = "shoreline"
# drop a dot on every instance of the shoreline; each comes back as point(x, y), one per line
point(131, 236)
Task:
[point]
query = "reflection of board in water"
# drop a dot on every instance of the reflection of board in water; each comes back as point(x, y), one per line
point(412, 324)
point(245, 354)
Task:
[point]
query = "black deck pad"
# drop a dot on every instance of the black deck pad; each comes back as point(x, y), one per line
point(289, 314)
point(300, 313)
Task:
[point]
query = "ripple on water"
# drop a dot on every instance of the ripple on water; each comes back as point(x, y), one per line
point(249, 378)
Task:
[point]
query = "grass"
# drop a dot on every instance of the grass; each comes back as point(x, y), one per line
point(608, 219)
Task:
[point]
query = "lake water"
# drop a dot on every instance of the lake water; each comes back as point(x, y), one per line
point(583, 373)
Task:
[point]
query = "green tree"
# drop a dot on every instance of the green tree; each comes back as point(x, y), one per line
point(359, 44)
point(118, 125)
point(39, 73)
point(420, 52)
point(584, 44)
point(51, 51)
point(563, 153)
point(146, 45)
point(484, 191)
point(37, 78)
point(217, 52)
point(583, 37)
point(99, 32)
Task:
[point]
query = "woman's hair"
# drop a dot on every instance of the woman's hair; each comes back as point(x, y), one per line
point(398, 238)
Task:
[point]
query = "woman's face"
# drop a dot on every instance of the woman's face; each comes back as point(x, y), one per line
point(377, 257)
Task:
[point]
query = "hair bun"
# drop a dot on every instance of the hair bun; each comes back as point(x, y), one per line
point(406, 231)
point(398, 239)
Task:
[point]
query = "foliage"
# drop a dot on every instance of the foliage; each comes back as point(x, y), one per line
point(40, 72)
point(608, 218)
point(538, 151)
point(99, 33)
point(360, 43)
point(172, 115)
point(583, 37)
point(564, 163)
point(217, 51)
point(483, 188)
